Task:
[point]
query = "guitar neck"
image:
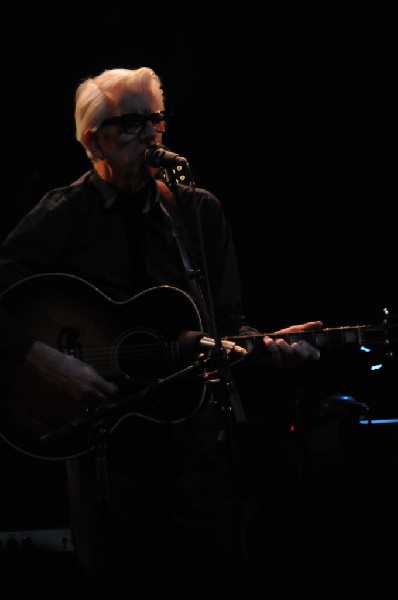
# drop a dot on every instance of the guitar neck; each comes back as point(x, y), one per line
point(334, 337)
point(330, 337)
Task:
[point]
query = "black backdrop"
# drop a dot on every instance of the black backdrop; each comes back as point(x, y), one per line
point(289, 119)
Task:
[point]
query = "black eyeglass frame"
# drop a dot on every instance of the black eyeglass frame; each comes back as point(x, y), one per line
point(138, 121)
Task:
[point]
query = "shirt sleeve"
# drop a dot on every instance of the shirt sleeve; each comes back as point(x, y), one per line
point(30, 248)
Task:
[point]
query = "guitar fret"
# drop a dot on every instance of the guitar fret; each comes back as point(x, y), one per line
point(337, 337)
point(352, 336)
point(328, 338)
point(321, 340)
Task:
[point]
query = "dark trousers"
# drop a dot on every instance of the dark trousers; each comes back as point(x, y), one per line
point(158, 509)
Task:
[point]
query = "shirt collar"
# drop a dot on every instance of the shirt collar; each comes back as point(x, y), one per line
point(110, 193)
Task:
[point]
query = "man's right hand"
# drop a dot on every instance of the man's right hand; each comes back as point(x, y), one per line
point(75, 378)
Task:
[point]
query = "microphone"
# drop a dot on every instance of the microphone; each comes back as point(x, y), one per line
point(193, 342)
point(158, 155)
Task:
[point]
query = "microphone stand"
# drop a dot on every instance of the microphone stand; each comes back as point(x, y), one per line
point(106, 416)
point(227, 397)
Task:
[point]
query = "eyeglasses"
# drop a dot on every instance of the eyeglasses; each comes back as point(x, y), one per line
point(132, 123)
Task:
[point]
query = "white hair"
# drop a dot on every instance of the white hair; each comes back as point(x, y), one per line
point(96, 97)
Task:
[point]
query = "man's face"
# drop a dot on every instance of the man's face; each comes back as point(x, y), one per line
point(123, 138)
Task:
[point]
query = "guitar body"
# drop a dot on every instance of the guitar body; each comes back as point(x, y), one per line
point(133, 343)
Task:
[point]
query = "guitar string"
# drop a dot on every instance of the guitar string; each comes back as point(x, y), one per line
point(171, 350)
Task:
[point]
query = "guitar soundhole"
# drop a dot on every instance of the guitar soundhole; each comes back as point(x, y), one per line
point(68, 342)
point(142, 356)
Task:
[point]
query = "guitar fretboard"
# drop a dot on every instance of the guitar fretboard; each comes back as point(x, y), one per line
point(332, 337)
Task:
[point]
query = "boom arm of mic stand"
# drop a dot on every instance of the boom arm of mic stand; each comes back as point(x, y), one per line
point(110, 410)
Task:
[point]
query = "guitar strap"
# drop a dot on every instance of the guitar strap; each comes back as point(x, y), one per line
point(169, 200)
point(172, 207)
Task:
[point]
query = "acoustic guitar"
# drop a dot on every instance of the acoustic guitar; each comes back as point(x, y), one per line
point(135, 343)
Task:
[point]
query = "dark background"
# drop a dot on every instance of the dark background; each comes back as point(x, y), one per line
point(289, 118)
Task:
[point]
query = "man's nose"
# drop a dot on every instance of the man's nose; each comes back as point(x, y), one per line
point(149, 132)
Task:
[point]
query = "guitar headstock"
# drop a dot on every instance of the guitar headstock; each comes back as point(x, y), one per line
point(389, 326)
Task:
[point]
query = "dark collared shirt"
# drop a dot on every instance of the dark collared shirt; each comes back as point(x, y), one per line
point(91, 230)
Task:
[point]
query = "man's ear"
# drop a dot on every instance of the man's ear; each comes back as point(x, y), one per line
point(91, 142)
